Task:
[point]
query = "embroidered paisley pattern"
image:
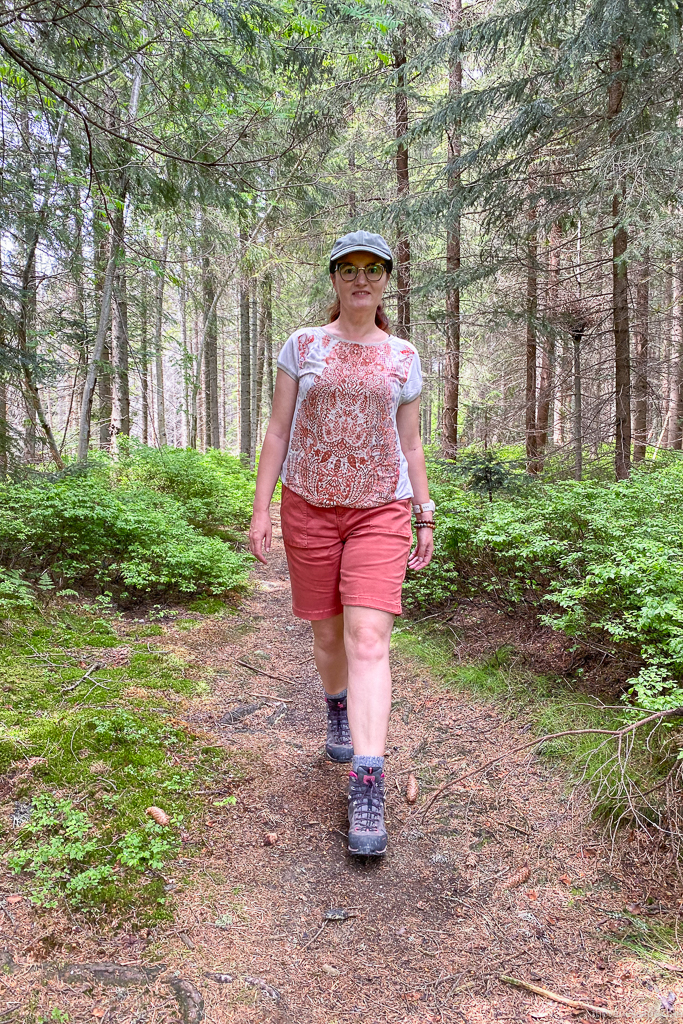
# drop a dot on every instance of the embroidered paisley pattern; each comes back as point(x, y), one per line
point(344, 448)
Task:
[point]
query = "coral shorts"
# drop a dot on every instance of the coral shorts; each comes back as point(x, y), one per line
point(341, 556)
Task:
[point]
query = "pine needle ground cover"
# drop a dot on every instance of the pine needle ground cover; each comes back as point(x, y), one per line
point(91, 736)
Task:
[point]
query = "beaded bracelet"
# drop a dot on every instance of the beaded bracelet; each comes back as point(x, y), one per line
point(426, 525)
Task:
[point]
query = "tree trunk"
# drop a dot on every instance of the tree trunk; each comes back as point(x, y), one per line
point(642, 333)
point(622, 363)
point(403, 190)
point(253, 323)
point(93, 365)
point(102, 252)
point(245, 372)
point(260, 361)
point(212, 437)
point(187, 362)
point(267, 310)
point(162, 440)
point(577, 408)
point(531, 308)
point(144, 361)
point(452, 360)
point(544, 423)
point(120, 407)
point(676, 396)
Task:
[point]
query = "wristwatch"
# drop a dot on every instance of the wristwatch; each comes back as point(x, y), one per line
point(426, 506)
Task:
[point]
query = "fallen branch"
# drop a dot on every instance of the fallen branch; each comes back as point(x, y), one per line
point(575, 1003)
point(270, 675)
point(271, 696)
point(93, 668)
point(611, 733)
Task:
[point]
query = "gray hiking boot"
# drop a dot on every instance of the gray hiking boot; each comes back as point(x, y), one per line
point(338, 745)
point(367, 832)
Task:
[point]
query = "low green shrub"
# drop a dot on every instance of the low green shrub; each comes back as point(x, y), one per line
point(155, 523)
point(600, 562)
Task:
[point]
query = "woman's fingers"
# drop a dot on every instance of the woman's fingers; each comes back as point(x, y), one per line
point(421, 555)
point(260, 537)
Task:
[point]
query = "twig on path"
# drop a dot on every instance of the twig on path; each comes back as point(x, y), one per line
point(93, 668)
point(575, 1003)
point(610, 733)
point(515, 828)
point(270, 675)
point(271, 696)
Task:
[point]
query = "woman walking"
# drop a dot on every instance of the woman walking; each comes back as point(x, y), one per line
point(344, 437)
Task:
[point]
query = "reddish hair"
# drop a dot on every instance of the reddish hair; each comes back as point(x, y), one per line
point(381, 319)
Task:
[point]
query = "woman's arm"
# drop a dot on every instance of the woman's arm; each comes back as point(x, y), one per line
point(408, 424)
point(272, 456)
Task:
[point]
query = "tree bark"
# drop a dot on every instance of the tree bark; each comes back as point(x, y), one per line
point(676, 396)
point(403, 190)
point(120, 405)
point(544, 422)
point(245, 371)
point(267, 310)
point(642, 334)
point(531, 309)
point(253, 323)
point(453, 354)
point(212, 437)
point(260, 360)
point(158, 349)
point(100, 337)
point(144, 360)
point(622, 363)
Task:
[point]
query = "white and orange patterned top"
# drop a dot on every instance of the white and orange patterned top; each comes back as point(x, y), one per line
point(344, 447)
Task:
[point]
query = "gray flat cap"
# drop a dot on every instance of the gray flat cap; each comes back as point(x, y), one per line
point(361, 241)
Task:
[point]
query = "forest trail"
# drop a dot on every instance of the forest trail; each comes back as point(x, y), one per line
point(430, 928)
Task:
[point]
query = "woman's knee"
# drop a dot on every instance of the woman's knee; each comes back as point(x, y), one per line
point(328, 634)
point(367, 640)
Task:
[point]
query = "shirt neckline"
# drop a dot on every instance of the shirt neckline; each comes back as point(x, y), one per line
point(366, 344)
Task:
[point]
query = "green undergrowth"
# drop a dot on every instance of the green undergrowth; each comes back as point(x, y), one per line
point(598, 561)
point(153, 523)
point(86, 750)
point(545, 706)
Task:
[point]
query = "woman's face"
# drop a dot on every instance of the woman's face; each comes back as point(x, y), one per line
point(359, 294)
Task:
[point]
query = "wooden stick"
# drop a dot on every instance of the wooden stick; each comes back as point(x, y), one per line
point(611, 733)
point(270, 675)
point(577, 1005)
point(271, 696)
point(93, 668)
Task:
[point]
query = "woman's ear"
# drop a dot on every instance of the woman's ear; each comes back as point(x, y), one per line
point(332, 282)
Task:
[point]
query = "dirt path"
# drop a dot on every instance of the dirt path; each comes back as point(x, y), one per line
point(431, 926)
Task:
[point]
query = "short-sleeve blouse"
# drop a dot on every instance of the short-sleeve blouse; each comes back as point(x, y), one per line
point(344, 447)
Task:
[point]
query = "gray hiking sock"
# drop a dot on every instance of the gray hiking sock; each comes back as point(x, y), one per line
point(366, 762)
point(335, 696)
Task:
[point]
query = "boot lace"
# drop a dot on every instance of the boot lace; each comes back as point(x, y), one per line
point(368, 803)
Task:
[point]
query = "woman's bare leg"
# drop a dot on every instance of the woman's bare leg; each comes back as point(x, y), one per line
point(367, 633)
point(330, 653)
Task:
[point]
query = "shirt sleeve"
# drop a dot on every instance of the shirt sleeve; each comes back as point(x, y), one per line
point(413, 385)
point(288, 359)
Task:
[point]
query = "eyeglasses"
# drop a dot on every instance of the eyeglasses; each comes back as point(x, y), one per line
point(349, 272)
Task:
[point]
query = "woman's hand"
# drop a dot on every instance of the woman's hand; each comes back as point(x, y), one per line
point(260, 535)
point(421, 555)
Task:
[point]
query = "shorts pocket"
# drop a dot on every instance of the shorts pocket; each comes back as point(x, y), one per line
point(294, 519)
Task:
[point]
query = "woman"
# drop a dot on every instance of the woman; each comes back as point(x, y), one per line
point(344, 436)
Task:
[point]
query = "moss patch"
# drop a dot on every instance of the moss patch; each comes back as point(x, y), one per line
point(91, 735)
